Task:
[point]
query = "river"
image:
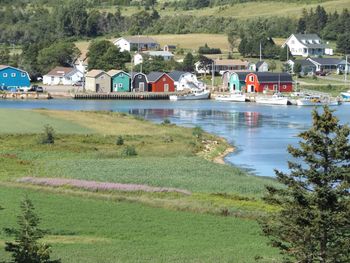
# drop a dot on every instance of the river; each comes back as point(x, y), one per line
point(260, 134)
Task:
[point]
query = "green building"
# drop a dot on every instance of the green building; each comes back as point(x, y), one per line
point(237, 81)
point(120, 81)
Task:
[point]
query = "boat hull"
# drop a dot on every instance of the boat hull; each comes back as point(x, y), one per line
point(345, 96)
point(302, 102)
point(272, 101)
point(198, 96)
point(233, 97)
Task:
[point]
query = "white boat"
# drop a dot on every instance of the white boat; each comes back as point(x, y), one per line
point(276, 99)
point(345, 96)
point(194, 95)
point(317, 101)
point(236, 96)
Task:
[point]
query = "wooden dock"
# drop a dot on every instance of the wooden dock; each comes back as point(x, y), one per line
point(25, 95)
point(125, 96)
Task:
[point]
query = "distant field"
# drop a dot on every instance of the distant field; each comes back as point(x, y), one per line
point(248, 10)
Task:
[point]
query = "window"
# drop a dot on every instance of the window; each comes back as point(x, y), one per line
point(120, 85)
point(23, 75)
point(164, 79)
point(4, 75)
point(52, 78)
point(114, 86)
point(139, 76)
point(266, 87)
point(275, 87)
point(251, 78)
point(13, 75)
point(284, 87)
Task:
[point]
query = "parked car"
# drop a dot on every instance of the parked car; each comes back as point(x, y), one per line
point(321, 73)
point(36, 88)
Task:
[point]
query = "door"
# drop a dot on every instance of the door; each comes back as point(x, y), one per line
point(234, 87)
point(166, 87)
point(251, 88)
point(141, 86)
point(97, 87)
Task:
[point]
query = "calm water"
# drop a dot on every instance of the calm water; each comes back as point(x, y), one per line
point(260, 133)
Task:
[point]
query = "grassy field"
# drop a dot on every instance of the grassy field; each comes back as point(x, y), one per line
point(247, 10)
point(118, 226)
point(89, 230)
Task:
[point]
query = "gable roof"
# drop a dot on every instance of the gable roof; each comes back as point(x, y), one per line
point(60, 71)
point(176, 74)
point(230, 62)
point(114, 72)
point(133, 74)
point(139, 39)
point(304, 62)
point(325, 61)
point(6, 66)
point(94, 73)
point(241, 74)
point(274, 77)
point(159, 53)
point(306, 38)
point(154, 76)
point(259, 63)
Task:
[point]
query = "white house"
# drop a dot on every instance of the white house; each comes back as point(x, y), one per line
point(139, 57)
point(63, 76)
point(260, 66)
point(307, 45)
point(186, 80)
point(136, 43)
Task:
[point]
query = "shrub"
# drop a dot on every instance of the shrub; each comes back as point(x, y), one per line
point(197, 132)
point(48, 137)
point(120, 140)
point(166, 122)
point(129, 150)
point(168, 139)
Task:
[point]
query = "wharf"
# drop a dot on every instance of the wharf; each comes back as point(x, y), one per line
point(125, 96)
point(25, 95)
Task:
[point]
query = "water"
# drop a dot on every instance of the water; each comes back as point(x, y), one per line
point(260, 133)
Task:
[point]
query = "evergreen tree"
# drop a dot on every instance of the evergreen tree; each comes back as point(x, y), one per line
point(343, 44)
point(313, 220)
point(188, 63)
point(242, 47)
point(297, 69)
point(4, 56)
point(26, 248)
point(285, 54)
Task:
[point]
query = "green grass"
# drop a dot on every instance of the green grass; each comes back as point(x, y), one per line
point(23, 121)
point(89, 230)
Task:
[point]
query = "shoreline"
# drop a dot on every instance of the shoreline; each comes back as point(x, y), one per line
point(220, 159)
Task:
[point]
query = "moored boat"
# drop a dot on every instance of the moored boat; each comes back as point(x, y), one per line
point(236, 96)
point(276, 99)
point(345, 96)
point(317, 101)
point(194, 95)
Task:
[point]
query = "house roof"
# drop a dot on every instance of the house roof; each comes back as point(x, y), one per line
point(170, 46)
point(325, 61)
point(259, 63)
point(304, 62)
point(242, 74)
point(159, 53)
point(6, 66)
point(139, 39)
point(310, 40)
point(94, 73)
point(154, 76)
point(133, 74)
point(114, 72)
point(176, 74)
point(274, 77)
point(60, 71)
point(230, 62)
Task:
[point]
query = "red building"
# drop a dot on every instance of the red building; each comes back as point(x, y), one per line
point(160, 82)
point(268, 81)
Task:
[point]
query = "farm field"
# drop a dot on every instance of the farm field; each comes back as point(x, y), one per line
point(210, 218)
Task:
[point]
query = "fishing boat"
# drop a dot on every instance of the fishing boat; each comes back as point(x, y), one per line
point(235, 96)
point(345, 96)
point(194, 95)
point(316, 100)
point(275, 99)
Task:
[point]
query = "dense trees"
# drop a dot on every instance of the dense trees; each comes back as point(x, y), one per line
point(312, 223)
point(105, 55)
point(26, 247)
point(207, 50)
point(57, 54)
point(188, 63)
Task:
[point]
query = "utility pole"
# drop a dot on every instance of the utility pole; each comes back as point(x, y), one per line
point(287, 52)
point(346, 68)
point(212, 75)
point(260, 50)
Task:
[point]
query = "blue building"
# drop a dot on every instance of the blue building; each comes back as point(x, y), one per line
point(12, 78)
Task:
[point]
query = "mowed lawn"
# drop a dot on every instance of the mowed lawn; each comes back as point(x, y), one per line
point(88, 230)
